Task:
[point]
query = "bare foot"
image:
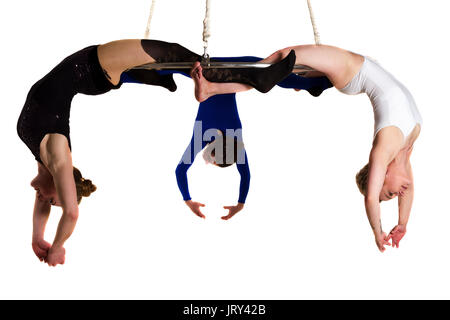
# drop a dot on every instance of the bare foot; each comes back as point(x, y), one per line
point(201, 84)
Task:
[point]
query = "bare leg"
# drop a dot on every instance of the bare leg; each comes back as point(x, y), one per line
point(205, 89)
point(118, 56)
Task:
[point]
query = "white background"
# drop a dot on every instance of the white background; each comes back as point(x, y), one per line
point(303, 232)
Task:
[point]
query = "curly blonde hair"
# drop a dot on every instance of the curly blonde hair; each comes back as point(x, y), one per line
point(362, 178)
point(84, 186)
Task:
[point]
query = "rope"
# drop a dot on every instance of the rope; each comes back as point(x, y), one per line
point(147, 30)
point(206, 29)
point(313, 22)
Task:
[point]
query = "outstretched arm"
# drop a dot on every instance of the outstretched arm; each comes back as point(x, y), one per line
point(377, 172)
point(405, 202)
point(58, 160)
point(404, 205)
point(244, 171)
point(386, 146)
point(182, 180)
point(41, 213)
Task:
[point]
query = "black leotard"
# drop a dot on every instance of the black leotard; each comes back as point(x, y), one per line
point(47, 107)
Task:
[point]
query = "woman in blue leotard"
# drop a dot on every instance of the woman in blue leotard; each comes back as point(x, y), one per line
point(218, 120)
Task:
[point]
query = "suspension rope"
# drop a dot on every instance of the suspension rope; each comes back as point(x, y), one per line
point(147, 30)
point(313, 22)
point(206, 30)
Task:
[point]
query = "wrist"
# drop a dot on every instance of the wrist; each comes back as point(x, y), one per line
point(378, 234)
point(240, 205)
point(402, 226)
point(57, 245)
point(37, 237)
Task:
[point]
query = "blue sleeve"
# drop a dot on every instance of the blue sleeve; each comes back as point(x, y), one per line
point(244, 171)
point(182, 168)
point(182, 181)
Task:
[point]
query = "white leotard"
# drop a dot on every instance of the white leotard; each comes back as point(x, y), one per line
point(393, 104)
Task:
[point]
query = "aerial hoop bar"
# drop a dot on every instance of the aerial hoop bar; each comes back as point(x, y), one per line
point(215, 65)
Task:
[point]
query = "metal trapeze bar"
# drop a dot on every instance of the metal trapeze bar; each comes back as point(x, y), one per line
point(215, 65)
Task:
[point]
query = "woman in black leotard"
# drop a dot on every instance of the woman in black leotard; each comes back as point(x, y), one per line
point(44, 122)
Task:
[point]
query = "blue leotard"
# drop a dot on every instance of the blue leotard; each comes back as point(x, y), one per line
point(220, 112)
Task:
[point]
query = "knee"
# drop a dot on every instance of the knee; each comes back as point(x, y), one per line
point(279, 55)
point(283, 53)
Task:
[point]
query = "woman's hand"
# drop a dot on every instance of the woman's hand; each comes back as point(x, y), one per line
point(232, 210)
point(56, 255)
point(382, 240)
point(40, 248)
point(195, 207)
point(397, 234)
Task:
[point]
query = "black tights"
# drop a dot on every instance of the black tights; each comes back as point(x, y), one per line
point(262, 79)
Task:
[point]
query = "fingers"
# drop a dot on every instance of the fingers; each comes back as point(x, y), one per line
point(55, 261)
point(396, 241)
point(44, 245)
point(200, 214)
point(40, 253)
point(228, 216)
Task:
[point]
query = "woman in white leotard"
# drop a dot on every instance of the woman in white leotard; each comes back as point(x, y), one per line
point(397, 126)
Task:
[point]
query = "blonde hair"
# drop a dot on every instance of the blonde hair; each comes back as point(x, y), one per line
point(84, 186)
point(362, 178)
